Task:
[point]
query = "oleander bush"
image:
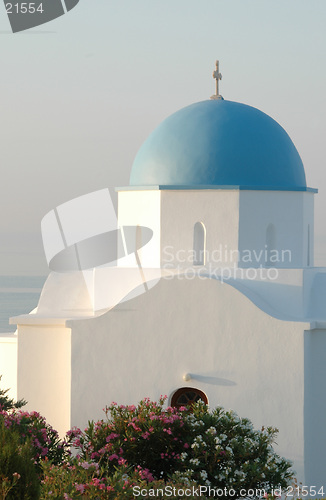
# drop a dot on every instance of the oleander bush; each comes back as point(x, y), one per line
point(44, 439)
point(18, 476)
point(88, 480)
point(210, 448)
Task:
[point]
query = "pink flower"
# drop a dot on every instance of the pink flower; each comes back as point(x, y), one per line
point(113, 435)
point(74, 432)
point(131, 424)
point(112, 457)
point(145, 474)
point(86, 465)
point(80, 487)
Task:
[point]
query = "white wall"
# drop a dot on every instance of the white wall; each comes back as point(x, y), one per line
point(8, 363)
point(142, 208)
point(308, 220)
point(315, 407)
point(172, 215)
point(44, 372)
point(217, 209)
point(290, 213)
point(234, 221)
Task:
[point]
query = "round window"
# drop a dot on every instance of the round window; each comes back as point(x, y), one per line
point(186, 396)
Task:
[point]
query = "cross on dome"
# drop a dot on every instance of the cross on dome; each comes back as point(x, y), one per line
point(217, 76)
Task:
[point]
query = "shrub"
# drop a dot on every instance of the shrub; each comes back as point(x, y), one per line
point(217, 448)
point(225, 451)
point(81, 480)
point(146, 435)
point(8, 404)
point(84, 480)
point(18, 476)
point(43, 438)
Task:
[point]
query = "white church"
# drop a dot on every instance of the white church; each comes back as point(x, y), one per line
point(211, 290)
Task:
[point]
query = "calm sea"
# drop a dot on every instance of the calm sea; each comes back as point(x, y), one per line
point(18, 295)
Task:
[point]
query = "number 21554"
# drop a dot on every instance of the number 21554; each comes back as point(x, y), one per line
point(24, 8)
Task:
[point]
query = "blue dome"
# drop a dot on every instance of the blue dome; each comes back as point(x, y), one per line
point(219, 143)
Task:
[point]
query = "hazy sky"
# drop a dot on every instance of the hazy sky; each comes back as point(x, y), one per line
point(80, 94)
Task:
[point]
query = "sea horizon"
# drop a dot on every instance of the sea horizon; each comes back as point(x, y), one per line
point(19, 294)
